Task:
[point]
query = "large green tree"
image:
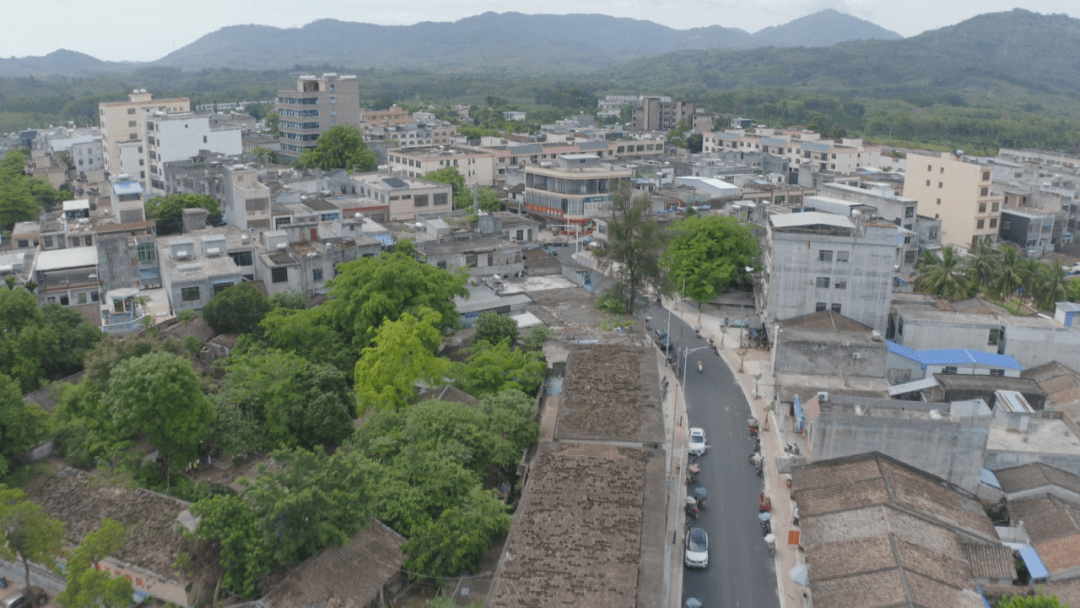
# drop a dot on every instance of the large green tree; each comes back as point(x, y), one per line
point(22, 424)
point(982, 266)
point(494, 328)
point(636, 244)
point(230, 520)
point(1010, 274)
point(339, 147)
point(710, 254)
point(491, 368)
point(459, 537)
point(943, 276)
point(1039, 600)
point(1050, 284)
point(402, 355)
point(39, 343)
point(17, 203)
point(294, 403)
point(487, 199)
point(86, 584)
point(160, 395)
point(27, 533)
point(168, 211)
point(237, 309)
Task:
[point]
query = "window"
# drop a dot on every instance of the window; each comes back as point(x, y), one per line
point(984, 192)
point(241, 258)
point(220, 287)
point(993, 339)
point(982, 207)
point(48, 242)
point(824, 255)
point(927, 182)
point(189, 294)
point(997, 372)
point(94, 297)
point(909, 256)
point(994, 207)
point(821, 307)
point(147, 252)
point(822, 282)
point(470, 260)
point(420, 200)
point(993, 222)
point(131, 123)
point(836, 308)
point(929, 168)
point(909, 212)
point(1006, 225)
point(949, 369)
point(316, 274)
point(939, 201)
point(943, 170)
point(439, 199)
point(899, 326)
point(82, 298)
point(840, 284)
point(941, 185)
point(279, 275)
point(979, 224)
point(842, 256)
point(130, 110)
point(907, 240)
point(64, 301)
point(986, 176)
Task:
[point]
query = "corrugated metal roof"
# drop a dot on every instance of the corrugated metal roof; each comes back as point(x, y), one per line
point(987, 476)
point(772, 141)
point(810, 218)
point(953, 356)
point(77, 205)
point(1068, 306)
point(1034, 563)
point(527, 149)
point(126, 188)
point(73, 257)
point(911, 387)
point(994, 360)
point(395, 182)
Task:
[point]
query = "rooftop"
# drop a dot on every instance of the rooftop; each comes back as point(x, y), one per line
point(953, 356)
point(1035, 475)
point(482, 244)
point(1043, 436)
point(810, 219)
point(60, 259)
point(610, 393)
point(1053, 525)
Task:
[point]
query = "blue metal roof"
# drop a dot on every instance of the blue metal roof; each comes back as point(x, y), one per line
point(1034, 563)
point(386, 239)
point(987, 476)
point(125, 188)
point(953, 356)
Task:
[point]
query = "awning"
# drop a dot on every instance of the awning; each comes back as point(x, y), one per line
point(912, 387)
point(987, 477)
point(798, 414)
point(1034, 563)
point(385, 239)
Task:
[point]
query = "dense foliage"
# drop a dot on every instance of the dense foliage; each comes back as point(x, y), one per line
point(237, 309)
point(709, 254)
point(636, 243)
point(339, 147)
point(22, 197)
point(493, 327)
point(168, 211)
point(40, 343)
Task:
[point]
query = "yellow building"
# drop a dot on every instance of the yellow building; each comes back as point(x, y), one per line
point(957, 190)
point(122, 125)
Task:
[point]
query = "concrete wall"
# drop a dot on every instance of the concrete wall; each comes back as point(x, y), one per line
point(115, 253)
point(922, 334)
point(950, 450)
point(830, 358)
point(1032, 345)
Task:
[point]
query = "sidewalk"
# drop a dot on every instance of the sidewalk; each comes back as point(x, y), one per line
point(753, 369)
point(676, 432)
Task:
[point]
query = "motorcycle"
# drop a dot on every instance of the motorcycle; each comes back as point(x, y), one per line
point(699, 368)
point(770, 542)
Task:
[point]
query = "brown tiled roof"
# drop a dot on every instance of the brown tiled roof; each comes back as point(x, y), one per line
point(992, 562)
point(1051, 525)
point(1060, 554)
point(352, 575)
point(1066, 591)
point(1035, 475)
point(825, 319)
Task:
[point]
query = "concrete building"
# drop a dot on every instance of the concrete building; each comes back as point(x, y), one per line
point(484, 256)
point(1029, 229)
point(316, 104)
point(404, 196)
point(394, 115)
point(655, 114)
point(171, 137)
point(908, 365)
point(196, 267)
point(957, 189)
point(813, 160)
point(819, 261)
point(827, 344)
point(415, 134)
point(476, 165)
point(69, 277)
point(888, 206)
point(574, 191)
point(123, 128)
point(303, 258)
point(940, 439)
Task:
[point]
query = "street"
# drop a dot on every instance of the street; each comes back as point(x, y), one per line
point(740, 571)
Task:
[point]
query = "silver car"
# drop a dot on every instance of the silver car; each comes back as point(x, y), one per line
point(697, 548)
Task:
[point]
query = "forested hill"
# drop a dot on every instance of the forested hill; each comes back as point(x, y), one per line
point(823, 28)
point(1017, 48)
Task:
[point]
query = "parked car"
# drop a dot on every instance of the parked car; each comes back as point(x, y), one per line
point(697, 441)
point(26, 597)
point(559, 241)
point(662, 339)
point(697, 548)
point(550, 249)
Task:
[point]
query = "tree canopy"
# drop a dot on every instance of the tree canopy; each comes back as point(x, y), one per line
point(88, 586)
point(339, 147)
point(636, 244)
point(494, 328)
point(1039, 600)
point(710, 253)
point(402, 355)
point(39, 343)
point(487, 199)
point(237, 309)
point(168, 211)
point(22, 424)
point(27, 533)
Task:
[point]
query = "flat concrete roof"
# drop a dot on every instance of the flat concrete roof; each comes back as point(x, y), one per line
point(59, 259)
point(1044, 435)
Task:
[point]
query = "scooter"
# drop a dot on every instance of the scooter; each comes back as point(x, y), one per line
point(791, 449)
point(699, 367)
point(770, 542)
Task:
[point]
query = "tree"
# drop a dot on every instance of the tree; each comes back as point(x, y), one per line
point(22, 424)
point(168, 211)
point(17, 202)
point(75, 338)
point(258, 111)
point(273, 120)
point(459, 537)
point(494, 328)
point(310, 333)
point(450, 175)
point(88, 586)
point(369, 291)
point(289, 299)
point(1050, 284)
point(160, 395)
point(1040, 600)
point(695, 143)
point(709, 254)
point(943, 276)
point(38, 343)
point(310, 501)
point(637, 241)
point(339, 147)
point(402, 355)
point(265, 155)
point(232, 522)
point(237, 309)
point(511, 420)
point(294, 402)
point(491, 368)
point(677, 136)
point(27, 533)
point(982, 267)
point(537, 336)
point(1010, 275)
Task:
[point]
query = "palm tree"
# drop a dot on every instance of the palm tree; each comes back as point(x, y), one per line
point(1030, 270)
point(927, 259)
point(1072, 289)
point(982, 266)
point(946, 277)
point(1051, 286)
point(1010, 276)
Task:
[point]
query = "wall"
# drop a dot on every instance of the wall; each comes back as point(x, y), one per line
point(1032, 345)
point(115, 270)
point(950, 450)
point(956, 184)
point(830, 357)
point(923, 334)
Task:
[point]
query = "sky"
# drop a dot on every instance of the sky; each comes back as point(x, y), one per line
point(146, 30)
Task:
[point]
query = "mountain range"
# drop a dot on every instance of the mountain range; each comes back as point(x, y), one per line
point(505, 42)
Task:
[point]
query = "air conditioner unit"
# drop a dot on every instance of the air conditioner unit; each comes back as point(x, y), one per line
point(856, 355)
point(282, 246)
point(822, 397)
point(213, 252)
point(182, 255)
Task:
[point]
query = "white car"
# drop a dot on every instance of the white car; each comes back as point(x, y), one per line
point(697, 548)
point(697, 441)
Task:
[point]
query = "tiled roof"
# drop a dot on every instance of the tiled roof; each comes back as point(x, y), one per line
point(353, 575)
point(992, 562)
point(1060, 554)
point(1036, 475)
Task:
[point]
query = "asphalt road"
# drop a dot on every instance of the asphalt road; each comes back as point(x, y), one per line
point(741, 571)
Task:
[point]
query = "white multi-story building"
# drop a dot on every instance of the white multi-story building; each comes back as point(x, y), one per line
point(808, 153)
point(173, 137)
point(123, 129)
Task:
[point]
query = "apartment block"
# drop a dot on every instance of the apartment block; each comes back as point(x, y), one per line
point(1029, 229)
point(172, 137)
point(316, 104)
point(405, 196)
point(123, 127)
point(956, 189)
point(818, 261)
point(808, 154)
point(477, 165)
point(655, 114)
point(576, 190)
